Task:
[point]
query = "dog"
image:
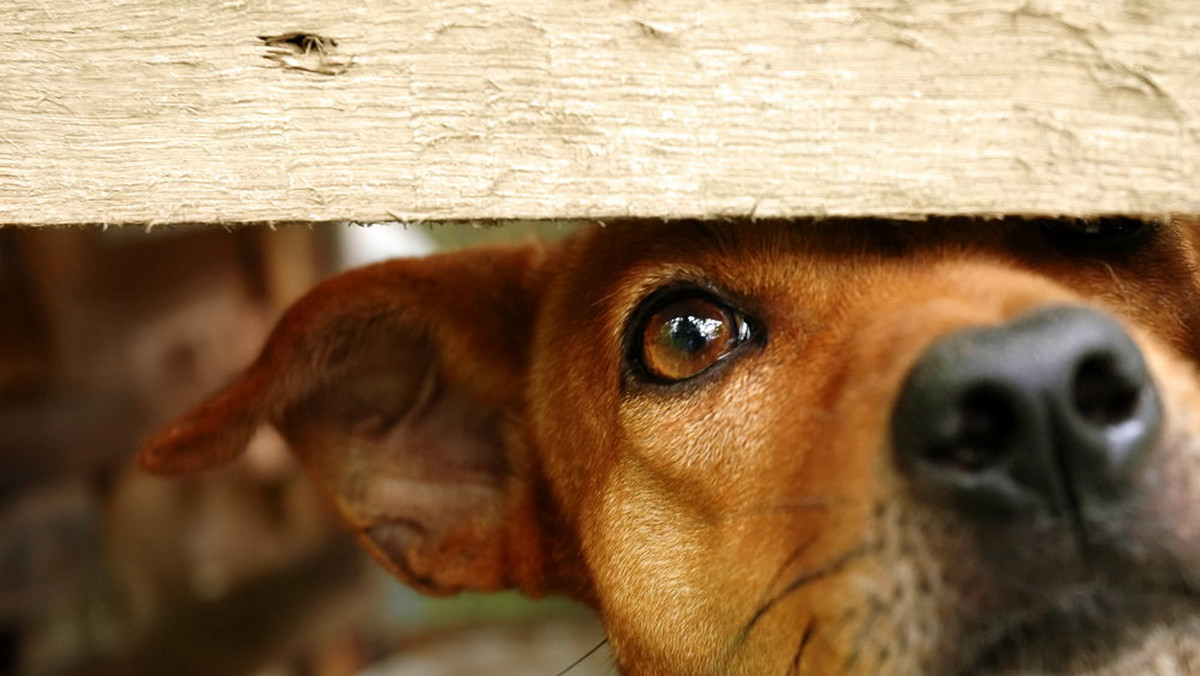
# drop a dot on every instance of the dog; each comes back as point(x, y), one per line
point(943, 448)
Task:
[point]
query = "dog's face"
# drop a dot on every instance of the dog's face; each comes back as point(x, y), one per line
point(844, 448)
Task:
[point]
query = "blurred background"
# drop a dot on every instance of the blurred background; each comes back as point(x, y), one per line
point(105, 335)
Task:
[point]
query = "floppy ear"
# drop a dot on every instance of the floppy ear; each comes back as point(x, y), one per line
point(401, 387)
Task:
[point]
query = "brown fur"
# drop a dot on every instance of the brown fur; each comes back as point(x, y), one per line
point(475, 418)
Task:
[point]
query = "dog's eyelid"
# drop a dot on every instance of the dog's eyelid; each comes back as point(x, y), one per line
point(682, 331)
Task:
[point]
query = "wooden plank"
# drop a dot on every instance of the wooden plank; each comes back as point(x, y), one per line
point(155, 111)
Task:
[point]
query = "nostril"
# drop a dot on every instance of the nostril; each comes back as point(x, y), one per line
point(1102, 394)
point(984, 434)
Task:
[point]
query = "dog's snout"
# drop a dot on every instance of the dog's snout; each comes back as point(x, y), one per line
point(1051, 411)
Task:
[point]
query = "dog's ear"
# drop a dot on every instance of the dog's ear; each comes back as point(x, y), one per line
point(400, 387)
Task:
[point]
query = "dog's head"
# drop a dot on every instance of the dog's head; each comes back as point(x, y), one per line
point(842, 448)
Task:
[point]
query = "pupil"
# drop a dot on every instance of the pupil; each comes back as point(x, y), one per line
point(693, 334)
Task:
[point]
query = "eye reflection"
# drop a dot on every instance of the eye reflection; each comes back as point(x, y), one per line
point(688, 335)
point(691, 333)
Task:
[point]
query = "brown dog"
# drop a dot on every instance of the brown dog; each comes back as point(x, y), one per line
point(828, 448)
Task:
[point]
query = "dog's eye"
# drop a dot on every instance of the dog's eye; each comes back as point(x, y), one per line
point(685, 336)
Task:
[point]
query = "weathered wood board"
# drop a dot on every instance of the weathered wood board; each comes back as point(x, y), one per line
point(157, 111)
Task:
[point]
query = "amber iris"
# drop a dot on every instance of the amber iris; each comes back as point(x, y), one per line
point(687, 336)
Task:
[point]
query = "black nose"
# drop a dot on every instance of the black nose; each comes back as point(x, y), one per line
point(1052, 411)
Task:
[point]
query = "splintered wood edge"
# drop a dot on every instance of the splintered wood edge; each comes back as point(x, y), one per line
point(472, 110)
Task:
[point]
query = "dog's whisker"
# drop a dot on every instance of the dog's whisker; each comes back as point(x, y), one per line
point(780, 571)
point(810, 630)
point(584, 657)
point(868, 629)
point(791, 559)
point(864, 633)
point(799, 582)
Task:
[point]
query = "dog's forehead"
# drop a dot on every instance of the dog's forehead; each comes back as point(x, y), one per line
point(608, 270)
point(622, 253)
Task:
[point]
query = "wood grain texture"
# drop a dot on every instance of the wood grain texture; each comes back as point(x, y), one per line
point(161, 111)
